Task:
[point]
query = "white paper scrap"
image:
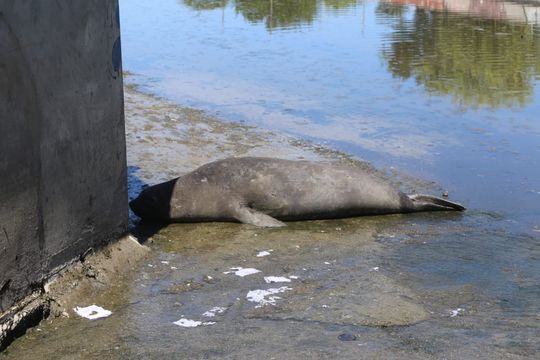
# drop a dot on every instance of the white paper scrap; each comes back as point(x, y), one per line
point(262, 297)
point(192, 323)
point(92, 312)
point(264, 253)
point(240, 271)
point(215, 310)
point(276, 279)
point(454, 313)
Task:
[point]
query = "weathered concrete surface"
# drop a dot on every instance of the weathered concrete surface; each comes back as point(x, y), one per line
point(62, 162)
point(98, 273)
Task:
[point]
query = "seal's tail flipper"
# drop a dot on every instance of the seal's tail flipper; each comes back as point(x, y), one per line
point(432, 203)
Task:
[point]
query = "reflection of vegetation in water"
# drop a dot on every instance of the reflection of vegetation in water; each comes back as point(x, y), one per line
point(340, 4)
point(275, 13)
point(479, 62)
point(389, 10)
point(278, 13)
point(206, 4)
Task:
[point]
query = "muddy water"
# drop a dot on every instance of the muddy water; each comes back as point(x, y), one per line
point(442, 98)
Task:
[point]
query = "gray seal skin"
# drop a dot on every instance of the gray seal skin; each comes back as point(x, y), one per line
point(259, 191)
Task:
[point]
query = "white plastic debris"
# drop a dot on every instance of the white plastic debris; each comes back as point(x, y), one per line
point(215, 310)
point(294, 277)
point(187, 323)
point(165, 262)
point(92, 312)
point(264, 253)
point(192, 323)
point(262, 297)
point(456, 312)
point(376, 268)
point(240, 271)
point(276, 279)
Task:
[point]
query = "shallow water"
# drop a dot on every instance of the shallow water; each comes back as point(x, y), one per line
point(448, 91)
point(422, 286)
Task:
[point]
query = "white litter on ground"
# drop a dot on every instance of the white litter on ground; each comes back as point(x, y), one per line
point(262, 297)
point(454, 313)
point(294, 277)
point(264, 253)
point(326, 263)
point(276, 279)
point(192, 323)
point(240, 271)
point(92, 312)
point(165, 262)
point(215, 310)
point(376, 268)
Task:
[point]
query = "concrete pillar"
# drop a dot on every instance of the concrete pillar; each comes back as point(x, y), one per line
point(62, 142)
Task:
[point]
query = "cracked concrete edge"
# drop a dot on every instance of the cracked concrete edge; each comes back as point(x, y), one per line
point(59, 292)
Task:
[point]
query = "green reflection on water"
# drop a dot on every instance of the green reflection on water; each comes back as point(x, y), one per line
point(206, 4)
point(278, 13)
point(275, 13)
point(478, 62)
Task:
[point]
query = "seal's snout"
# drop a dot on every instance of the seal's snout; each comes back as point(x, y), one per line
point(153, 202)
point(134, 205)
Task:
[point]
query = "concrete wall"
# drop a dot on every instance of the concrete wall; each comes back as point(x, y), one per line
point(62, 142)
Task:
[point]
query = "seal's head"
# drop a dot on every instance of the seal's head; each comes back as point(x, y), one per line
point(153, 203)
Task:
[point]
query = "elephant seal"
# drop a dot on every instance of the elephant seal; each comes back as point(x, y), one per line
point(259, 191)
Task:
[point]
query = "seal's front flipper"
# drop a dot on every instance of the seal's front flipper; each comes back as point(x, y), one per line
point(249, 216)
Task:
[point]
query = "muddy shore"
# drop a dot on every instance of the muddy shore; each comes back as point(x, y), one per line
point(324, 289)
